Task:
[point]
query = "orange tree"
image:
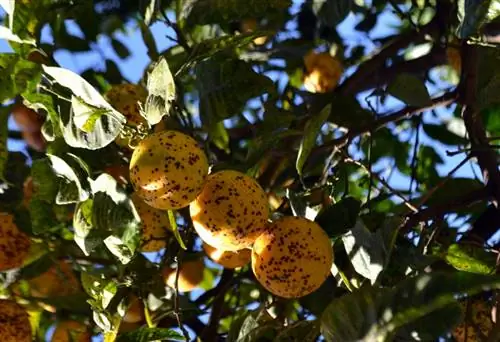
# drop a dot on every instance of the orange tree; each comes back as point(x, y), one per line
point(242, 190)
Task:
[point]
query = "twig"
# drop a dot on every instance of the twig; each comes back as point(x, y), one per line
point(414, 160)
point(177, 299)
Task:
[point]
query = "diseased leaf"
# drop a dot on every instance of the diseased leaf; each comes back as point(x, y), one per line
point(470, 258)
point(308, 142)
point(410, 90)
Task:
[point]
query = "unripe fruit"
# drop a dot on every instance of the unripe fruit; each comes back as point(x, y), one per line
point(190, 275)
point(14, 322)
point(477, 321)
point(454, 58)
point(168, 170)
point(231, 211)
point(135, 311)
point(71, 331)
point(59, 280)
point(155, 225)
point(228, 259)
point(125, 98)
point(14, 244)
point(323, 72)
point(293, 257)
point(26, 118)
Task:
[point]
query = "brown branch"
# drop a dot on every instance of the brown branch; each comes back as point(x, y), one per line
point(383, 121)
point(486, 156)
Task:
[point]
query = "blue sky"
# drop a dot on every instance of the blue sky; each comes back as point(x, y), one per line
point(133, 67)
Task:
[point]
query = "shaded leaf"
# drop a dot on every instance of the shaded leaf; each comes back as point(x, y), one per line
point(311, 131)
point(410, 90)
point(120, 48)
point(471, 15)
point(150, 334)
point(442, 134)
point(332, 12)
point(339, 217)
point(302, 331)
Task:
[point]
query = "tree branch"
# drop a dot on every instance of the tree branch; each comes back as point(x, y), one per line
point(486, 156)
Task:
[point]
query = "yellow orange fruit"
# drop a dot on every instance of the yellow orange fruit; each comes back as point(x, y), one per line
point(58, 280)
point(292, 258)
point(190, 275)
point(228, 259)
point(323, 72)
point(125, 98)
point(231, 211)
point(14, 244)
point(26, 118)
point(14, 322)
point(155, 225)
point(135, 311)
point(71, 331)
point(477, 321)
point(168, 169)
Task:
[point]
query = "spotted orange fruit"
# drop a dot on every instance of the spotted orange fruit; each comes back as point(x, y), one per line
point(292, 258)
point(228, 259)
point(14, 322)
point(168, 170)
point(231, 211)
point(14, 244)
point(323, 72)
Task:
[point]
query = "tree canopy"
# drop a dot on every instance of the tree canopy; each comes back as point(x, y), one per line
point(282, 171)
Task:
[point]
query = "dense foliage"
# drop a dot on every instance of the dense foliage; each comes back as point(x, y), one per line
point(283, 171)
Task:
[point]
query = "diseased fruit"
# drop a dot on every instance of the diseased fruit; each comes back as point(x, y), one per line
point(292, 258)
point(477, 323)
point(155, 225)
point(190, 275)
point(58, 280)
point(14, 244)
point(168, 170)
point(231, 211)
point(14, 322)
point(71, 331)
point(228, 259)
point(35, 140)
point(135, 311)
point(454, 58)
point(125, 98)
point(26, 118)
point(323, 72)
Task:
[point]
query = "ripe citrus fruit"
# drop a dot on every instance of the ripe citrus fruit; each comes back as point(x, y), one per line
point(292, 258)
point(190, 275)
point(231, 211)
point(155, 225)
point(228, 259)
point(58, 280)
point(323, 72)
point(135, 311)
point(168, 169)
point(14, 322)
point(71, 331)
point(14, 244)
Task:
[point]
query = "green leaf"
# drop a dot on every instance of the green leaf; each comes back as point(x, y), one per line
point(225, 85)
point(71, 189)
point(86, 237)
point(410, 90)
point(432, 326)
point(43, 218)
point(471, 15)
point(442, 134)
point(257, 325)
point(114, 212)
point(311, 131)
point(301, 331)
point(365, 250)
point(38, 101)
point(332, 12)
point(339, 217)
point(161, 92)
point(470, 258)
point(7, 34)
point(149, 40)
point(150, 334)
point(201, 12)
point(105, 128)
point(371, 314)
point(120, 48)
point(175, 228)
